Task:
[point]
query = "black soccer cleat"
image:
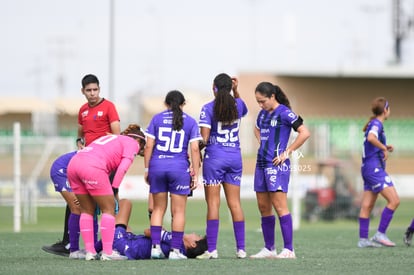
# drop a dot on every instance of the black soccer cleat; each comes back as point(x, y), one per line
point(408, 235)
point(59, 248)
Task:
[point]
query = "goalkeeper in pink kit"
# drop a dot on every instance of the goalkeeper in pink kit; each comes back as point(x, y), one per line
point(88, 174)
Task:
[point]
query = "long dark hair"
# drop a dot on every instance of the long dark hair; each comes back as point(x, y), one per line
point(174, 100)
point(225, 109)
point(379, 105)
point(268, 89)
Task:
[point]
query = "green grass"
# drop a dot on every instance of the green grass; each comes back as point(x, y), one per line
point(321, 247)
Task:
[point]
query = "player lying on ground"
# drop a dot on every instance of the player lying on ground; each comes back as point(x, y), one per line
point(138, 247)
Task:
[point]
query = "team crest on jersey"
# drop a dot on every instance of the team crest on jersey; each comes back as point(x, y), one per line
point(85, 113)
point(273, 122)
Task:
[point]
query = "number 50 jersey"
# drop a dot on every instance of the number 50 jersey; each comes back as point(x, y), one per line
point(171, 144)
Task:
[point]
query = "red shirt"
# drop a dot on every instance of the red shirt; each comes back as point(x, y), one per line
point(96, 121)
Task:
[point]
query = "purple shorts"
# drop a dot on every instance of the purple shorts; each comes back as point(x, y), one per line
point(272, 179)
point(223, 170)
point(175, 182)
point(60, 181)
point(375, 179)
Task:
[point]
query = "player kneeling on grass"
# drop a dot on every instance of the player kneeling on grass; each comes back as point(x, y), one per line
point(138, 247)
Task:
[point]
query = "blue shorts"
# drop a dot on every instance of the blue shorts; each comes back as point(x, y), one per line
point(375, 179)
point(175, 182)
point(272, 179)
point(60, 181)
point(223, 170)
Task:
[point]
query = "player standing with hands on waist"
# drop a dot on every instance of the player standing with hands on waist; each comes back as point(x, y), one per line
point(271, 179)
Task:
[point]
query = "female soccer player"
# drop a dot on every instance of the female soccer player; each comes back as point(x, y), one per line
point(376, 179)
point(220, 123)
point(271, 178)
point(58, 174)
point(138, 247)
point(88, 174)
point(169, 135)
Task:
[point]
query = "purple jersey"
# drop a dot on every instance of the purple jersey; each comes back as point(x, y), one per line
point(171, 147)
point(58, 172)
point(222, 137)
point(275, 128)
point(138, 247)
point(222, 157)
point(373, 156)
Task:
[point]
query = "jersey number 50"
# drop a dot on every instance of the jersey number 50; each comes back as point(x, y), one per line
point(170, 137)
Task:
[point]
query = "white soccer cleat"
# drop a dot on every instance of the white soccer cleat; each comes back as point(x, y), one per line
point(78, 254)
point(175, 254)
point(208, 255)
point(241, 254)
point(364, 243)
point(264, 254)
point(286, 254)
point(115, 256)
point(89, 256)
point(382, 239)
point(156, 252)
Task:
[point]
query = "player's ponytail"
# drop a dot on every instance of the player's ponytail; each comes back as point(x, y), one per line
point(174, 100)
point(225, 108)
point(281, 97)
point(379, 105)
point(267, 89)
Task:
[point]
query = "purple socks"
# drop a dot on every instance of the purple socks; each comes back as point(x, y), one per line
point(268, 229)
point(74, 232)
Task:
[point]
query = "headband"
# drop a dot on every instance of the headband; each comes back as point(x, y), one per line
point(386, 105)
point(135, 135)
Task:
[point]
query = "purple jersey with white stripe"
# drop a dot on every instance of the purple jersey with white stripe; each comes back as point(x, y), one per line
point(58, 172)
point(275, 128)
point(222, 137)
point(171, 147)
point(373, 156)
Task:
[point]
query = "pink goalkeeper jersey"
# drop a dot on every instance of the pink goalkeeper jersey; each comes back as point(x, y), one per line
point(91, 166)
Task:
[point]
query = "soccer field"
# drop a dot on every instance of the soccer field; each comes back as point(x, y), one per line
point(321, 247)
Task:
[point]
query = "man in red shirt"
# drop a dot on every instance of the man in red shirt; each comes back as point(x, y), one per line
point(98, 116)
